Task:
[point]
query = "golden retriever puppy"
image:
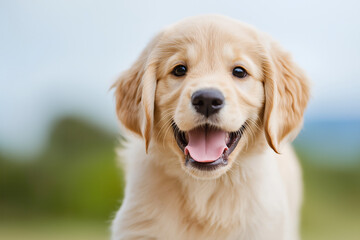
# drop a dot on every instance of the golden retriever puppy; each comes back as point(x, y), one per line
point(212, 105)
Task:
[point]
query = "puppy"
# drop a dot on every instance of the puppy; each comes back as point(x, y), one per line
point(212, 105)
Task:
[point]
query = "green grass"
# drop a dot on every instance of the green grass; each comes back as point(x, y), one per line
point(54, 229)
point(331, 207)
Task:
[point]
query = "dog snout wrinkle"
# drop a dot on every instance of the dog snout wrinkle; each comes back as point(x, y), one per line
point(208, 101)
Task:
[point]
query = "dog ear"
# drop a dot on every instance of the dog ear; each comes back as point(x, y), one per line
point(286, 96)
point(135, 94)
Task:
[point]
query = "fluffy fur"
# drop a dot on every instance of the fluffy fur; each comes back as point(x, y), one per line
point(258, 194)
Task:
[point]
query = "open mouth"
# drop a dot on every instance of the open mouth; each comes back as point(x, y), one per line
point(207, 147)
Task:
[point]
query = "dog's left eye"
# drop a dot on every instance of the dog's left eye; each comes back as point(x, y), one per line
point(179, 70)
point(239, 72)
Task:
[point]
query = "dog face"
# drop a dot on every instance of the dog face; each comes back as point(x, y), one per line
point(209, 88)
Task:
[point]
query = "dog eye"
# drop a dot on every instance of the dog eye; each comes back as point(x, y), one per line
point(179, 70)
point(239, 72)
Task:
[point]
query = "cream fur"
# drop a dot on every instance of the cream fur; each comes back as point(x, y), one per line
point(258, 194)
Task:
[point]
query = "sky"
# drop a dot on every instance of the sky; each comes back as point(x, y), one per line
point(60, 57)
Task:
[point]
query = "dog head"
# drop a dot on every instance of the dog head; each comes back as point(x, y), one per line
point(207, 89)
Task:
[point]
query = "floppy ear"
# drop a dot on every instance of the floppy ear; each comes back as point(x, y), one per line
point(286, 96)
point(135, 94)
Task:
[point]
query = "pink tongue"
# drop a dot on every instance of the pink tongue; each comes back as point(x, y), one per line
point(206, 145)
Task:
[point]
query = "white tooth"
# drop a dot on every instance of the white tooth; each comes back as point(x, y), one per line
point(227, 138)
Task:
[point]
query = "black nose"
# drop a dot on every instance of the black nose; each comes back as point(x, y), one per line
point(207, 101)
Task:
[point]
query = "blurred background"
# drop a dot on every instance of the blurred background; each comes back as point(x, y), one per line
point(58, 131)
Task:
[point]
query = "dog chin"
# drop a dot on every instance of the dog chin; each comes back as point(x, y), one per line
point(206, 175)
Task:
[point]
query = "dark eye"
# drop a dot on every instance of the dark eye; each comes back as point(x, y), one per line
point(179, 70)
point(239, 72)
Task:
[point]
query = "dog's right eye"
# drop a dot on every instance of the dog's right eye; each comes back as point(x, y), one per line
point(179, 70)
